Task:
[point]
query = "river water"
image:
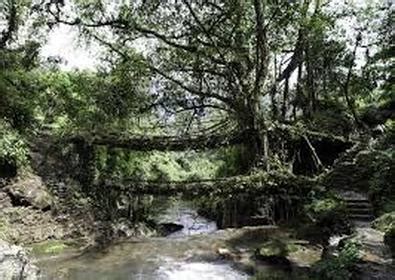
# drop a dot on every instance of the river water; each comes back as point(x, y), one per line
point(188, 254)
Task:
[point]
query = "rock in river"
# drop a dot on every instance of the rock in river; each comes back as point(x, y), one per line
point(274, 252)
point(169, 228)
point(15, 264)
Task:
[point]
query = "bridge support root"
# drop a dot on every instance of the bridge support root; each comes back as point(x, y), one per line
point(86, 165)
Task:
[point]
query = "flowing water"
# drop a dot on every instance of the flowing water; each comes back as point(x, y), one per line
point(183, 213)
point(188, 254)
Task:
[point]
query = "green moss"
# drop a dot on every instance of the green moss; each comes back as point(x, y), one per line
point(49, 247)
point(385, 222)
point(274, 247)
point(325, 205)
point(291, 247)
point(3, 229)
point(322, 207)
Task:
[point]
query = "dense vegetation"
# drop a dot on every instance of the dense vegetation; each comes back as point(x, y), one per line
point(307, 84)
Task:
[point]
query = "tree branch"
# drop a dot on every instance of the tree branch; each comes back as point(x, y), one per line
point(189, 89)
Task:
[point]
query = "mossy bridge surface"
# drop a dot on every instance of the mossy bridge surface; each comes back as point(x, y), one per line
point(259, 183)
point(194, 141)
point(283, 136)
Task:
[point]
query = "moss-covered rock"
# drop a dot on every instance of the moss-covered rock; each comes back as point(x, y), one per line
point(49, 247)
point(288, 252)
point(384, 222)
point(274, 251)
point(273, 247)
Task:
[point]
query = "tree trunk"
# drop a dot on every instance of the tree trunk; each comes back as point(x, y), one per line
point(285, 99)
point(310, 83)
point(86, 165)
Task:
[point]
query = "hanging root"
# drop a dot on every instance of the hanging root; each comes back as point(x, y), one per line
point(316, 158)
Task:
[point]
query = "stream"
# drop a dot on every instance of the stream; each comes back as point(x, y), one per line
point(142, 260)
point(187, 254)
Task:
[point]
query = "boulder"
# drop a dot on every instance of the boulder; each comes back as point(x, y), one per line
point(5, 200)
point(169, 228)
point(128, 229)
point(373, 248)
point(273, 252)
point(29, 190)
point(375, 256)
point(384, 222)
point(15, 264)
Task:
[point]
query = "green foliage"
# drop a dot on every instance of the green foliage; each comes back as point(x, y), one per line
point(159, 166)
point(384, 222)
point(338, 267)
point(371, 171)
point(331, 117)
point(326, 211)
point(12, 147)
point(18, 85)
point(382, 163)
point(85, 101)
point(322, 207)
point(231, 159)
point(324, 216)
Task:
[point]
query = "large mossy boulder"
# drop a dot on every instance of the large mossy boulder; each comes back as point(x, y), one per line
point(29, 190)
point(273, 252)
point(15, 264)
point(384, 222)
point(289, 253)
